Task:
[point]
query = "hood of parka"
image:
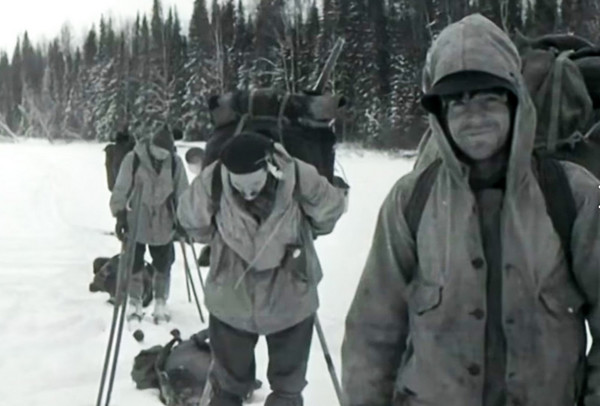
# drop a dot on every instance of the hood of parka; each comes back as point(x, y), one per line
point(476, 44)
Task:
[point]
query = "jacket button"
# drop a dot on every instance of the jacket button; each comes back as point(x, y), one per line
point(478, 314)
point(478, 263)
point(474, 369)
point(510, 321)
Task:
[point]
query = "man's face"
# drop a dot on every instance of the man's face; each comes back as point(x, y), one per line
point(249, 185)
point(479, 123)
point(195, 168)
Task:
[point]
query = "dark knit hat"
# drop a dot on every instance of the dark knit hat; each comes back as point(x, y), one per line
point(461, 82)
point(164, 139)
point(246, 153)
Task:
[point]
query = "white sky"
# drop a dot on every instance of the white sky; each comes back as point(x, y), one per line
point(43, 19)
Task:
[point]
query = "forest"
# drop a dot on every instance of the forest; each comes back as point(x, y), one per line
point(149, 72)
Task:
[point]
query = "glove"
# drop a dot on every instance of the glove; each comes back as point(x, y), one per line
point(121, 226)
point(340, 183)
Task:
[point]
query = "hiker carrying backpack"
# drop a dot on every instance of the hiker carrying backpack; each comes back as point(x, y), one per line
point(301, 122)
point(157, 171)
point(469, 298)
point(562, 74)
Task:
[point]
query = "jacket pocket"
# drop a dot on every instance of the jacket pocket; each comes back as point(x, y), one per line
point(295, 262)
point(563, 301)
point(424, 297)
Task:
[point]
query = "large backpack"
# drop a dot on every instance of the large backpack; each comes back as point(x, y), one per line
point(300, 121)
point(562, 74)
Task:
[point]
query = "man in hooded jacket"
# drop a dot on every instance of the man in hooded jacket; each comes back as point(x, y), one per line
point(161, 178)
point(264, 268)
point(481, 306)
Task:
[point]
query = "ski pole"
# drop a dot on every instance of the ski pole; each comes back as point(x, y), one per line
point(189, 276)
point(197, 266)
point(330, 367)
point(124, 276)
point(187, 286)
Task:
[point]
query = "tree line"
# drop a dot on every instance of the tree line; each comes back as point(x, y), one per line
point(149, 72)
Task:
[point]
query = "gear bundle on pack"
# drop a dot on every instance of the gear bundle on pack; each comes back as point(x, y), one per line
point(301, 122)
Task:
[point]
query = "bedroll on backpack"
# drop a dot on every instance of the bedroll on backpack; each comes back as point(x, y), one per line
point(300, 121)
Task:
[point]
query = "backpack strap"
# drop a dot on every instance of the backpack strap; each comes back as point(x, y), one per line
point(161, 360)
point(136, 164)
point(551, 178)
point(558, 195)
point(558, 69)
point(413, 211)
point(216, 187)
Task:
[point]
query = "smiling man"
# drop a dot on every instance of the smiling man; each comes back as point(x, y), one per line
point(469, 296)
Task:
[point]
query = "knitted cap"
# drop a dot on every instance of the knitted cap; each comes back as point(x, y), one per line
point(246, 153)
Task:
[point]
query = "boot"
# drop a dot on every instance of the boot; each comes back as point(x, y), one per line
point(136, 291)
point(161, 293)
point(161, 285)
point(277, 398)
point(160, 314)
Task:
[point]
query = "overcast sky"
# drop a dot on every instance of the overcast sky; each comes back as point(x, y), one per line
point(43, 19)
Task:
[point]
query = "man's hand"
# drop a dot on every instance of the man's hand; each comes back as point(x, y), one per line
point(121, 226)
point(340, 183)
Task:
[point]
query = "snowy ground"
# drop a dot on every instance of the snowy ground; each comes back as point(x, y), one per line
point(53, 211)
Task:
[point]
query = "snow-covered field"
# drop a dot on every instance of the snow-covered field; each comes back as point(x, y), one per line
point(53, 331)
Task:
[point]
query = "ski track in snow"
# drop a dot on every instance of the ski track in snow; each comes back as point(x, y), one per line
point(53, 212)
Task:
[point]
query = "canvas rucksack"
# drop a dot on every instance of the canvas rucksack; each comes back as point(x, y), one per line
point(178, 369)
point(562, 74)
point(301, 122)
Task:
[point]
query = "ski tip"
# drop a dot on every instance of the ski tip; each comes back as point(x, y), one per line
point(138, 335)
